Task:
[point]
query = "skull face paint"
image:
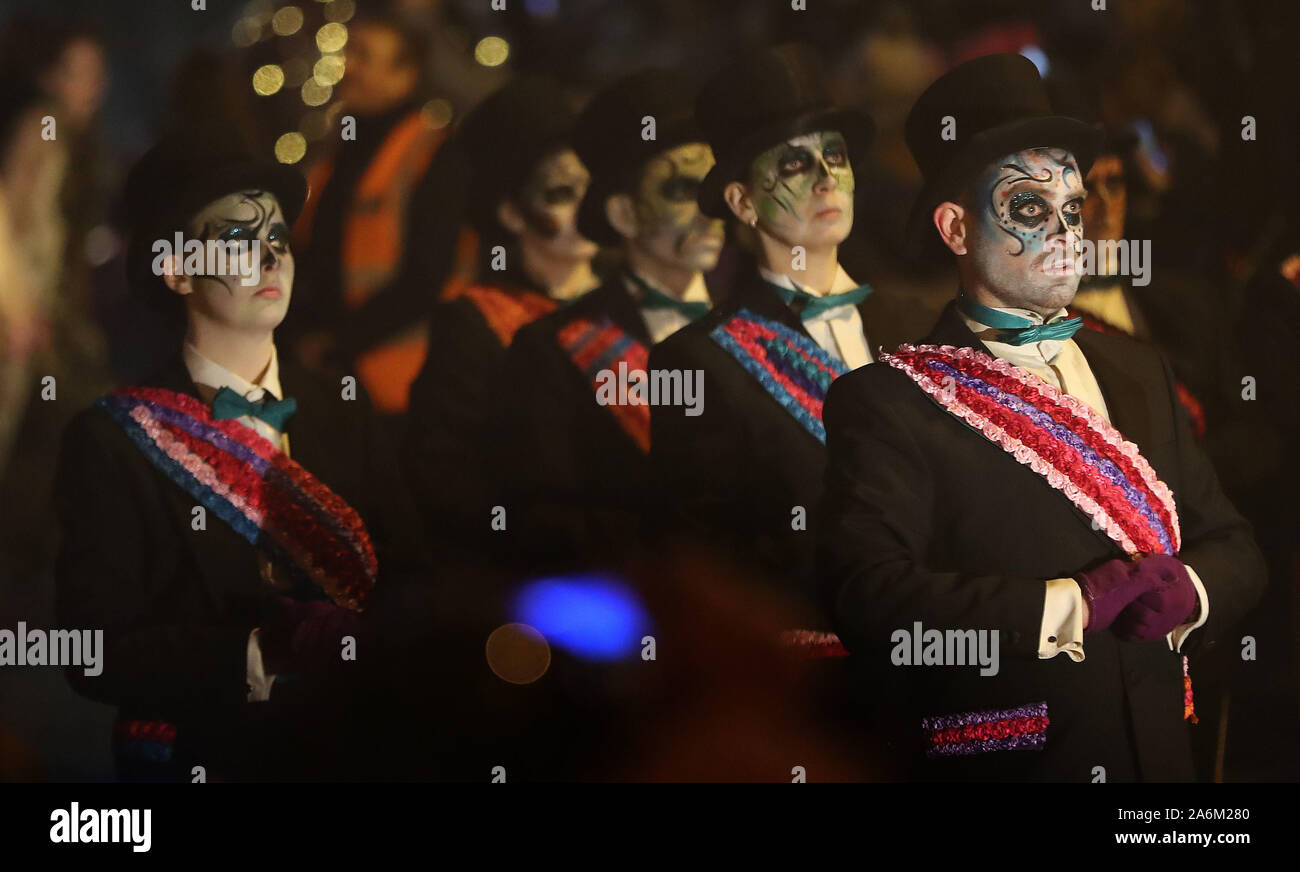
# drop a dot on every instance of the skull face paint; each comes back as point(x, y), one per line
point(1026, 222)
point(803, 190)
point(549, 204)
point(672, 228)
point(245, 217)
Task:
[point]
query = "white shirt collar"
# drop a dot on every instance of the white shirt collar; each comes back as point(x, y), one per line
point(696, 292)
point(208, 372)
point(842, 282)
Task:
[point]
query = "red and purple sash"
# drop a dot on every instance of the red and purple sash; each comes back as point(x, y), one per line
point(267, 498)
point(1056, 435)
point(795, 370)
point(595, 346)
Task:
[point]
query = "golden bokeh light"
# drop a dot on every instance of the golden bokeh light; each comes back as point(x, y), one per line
point(287, 20)
point(517, 653)
point(491, 51)
point(331, 37)
point(340, 10)
point(328, 70)
point(316, 94)
point(290, 148)
point(436, 113)
point(268, 79)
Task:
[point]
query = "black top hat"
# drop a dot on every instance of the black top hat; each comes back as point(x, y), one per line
point(178, 177)
point(506, 136)
point(762, 100)
point(609, 141)
point(1000, 106)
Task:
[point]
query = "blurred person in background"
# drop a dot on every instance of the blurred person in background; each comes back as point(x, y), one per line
point(524, 183)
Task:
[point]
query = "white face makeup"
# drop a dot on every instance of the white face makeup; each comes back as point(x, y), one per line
point(1025, 225)
point(227, 299)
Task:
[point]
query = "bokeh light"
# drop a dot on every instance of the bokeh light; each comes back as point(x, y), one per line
point(268, 79)
point(290, 148)
point(595, 617)
point(287, 20)
point(491, 51)
point(437, 113)
point(518, 653)
point(340, 10)
point(316, 94)
point(328, 70)
point(332, 37)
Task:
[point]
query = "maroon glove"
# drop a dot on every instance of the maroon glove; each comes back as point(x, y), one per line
point(306, 635)
point(1108, 589)
point(1170, 602)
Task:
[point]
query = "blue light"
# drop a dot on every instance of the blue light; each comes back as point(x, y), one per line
point(542, 8)
point(1038, 56)
point(593, 616)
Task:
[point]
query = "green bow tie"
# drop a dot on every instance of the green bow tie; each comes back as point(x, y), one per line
point(228, 404)
point(1015, 330)
point(806, 306)
point(652, 298)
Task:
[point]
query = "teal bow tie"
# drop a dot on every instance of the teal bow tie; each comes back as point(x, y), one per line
point(228, 404)
point(807, 306)
point(1013, 329)
point(652, 298)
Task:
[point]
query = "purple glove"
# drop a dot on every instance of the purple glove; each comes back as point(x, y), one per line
point(1109, 588)
point(306, 636)
point(1169, 603)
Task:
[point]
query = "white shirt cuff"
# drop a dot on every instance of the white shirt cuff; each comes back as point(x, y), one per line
point(1062, 628)
point(1180, 633)
point(259, 683)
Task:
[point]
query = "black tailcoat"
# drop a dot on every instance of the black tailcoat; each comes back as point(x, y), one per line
point(734, 474)
point(177, 604)
point(926, 520)
point(573, 481)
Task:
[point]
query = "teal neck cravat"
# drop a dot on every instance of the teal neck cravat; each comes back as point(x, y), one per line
point(653, 298)
point(806, 306)
point(228, 404)
point(1013, 329)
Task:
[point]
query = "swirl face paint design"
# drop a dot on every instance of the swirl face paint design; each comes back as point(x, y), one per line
point(246, 217)
point(1026, 225)
point(803, 190)
point(672, 229)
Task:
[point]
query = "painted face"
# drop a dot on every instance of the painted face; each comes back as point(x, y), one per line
point(673, 229)
point(803, 190)
point(244, 217)
point(1103, 212)
point(549, 203)
point(1027, 219)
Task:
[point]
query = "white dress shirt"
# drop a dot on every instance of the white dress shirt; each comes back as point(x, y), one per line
point(838, 331)
point(207, 372)
point(664, 322)
point(1061, 363)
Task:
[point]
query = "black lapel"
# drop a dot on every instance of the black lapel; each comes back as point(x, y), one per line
point(761, 298)
point(1126, 401)
point(950, 329)
point(613, 300)
point(174, 377)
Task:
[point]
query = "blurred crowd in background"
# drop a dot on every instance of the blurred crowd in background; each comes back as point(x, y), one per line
point(1171, 81)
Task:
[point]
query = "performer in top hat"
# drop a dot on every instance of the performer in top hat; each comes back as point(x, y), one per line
point(224, 523)
point(576, 464)
point(1014, 476)
point(525, 183)
point(746, 471)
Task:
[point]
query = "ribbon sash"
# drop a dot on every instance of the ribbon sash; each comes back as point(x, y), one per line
point(600, 344)
point(790, 366)
point(265, 496)
point(505, 312)
point(1059, 437)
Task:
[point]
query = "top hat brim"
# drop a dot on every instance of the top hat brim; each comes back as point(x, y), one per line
point(591, 219)
point(855, 126)
point(1053, 131)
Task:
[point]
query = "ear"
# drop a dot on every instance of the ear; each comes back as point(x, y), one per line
point(737, 197)
point(174, 277)
point(950, 220)
point(620, 212)
point(510, 217)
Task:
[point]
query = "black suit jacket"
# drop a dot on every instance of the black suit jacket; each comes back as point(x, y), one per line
point(573, 481)
point(733, 474)
point(176, 604)
point(926, 520)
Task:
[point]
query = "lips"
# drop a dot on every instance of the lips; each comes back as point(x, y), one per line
point(832, 212)
point(270, 291)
